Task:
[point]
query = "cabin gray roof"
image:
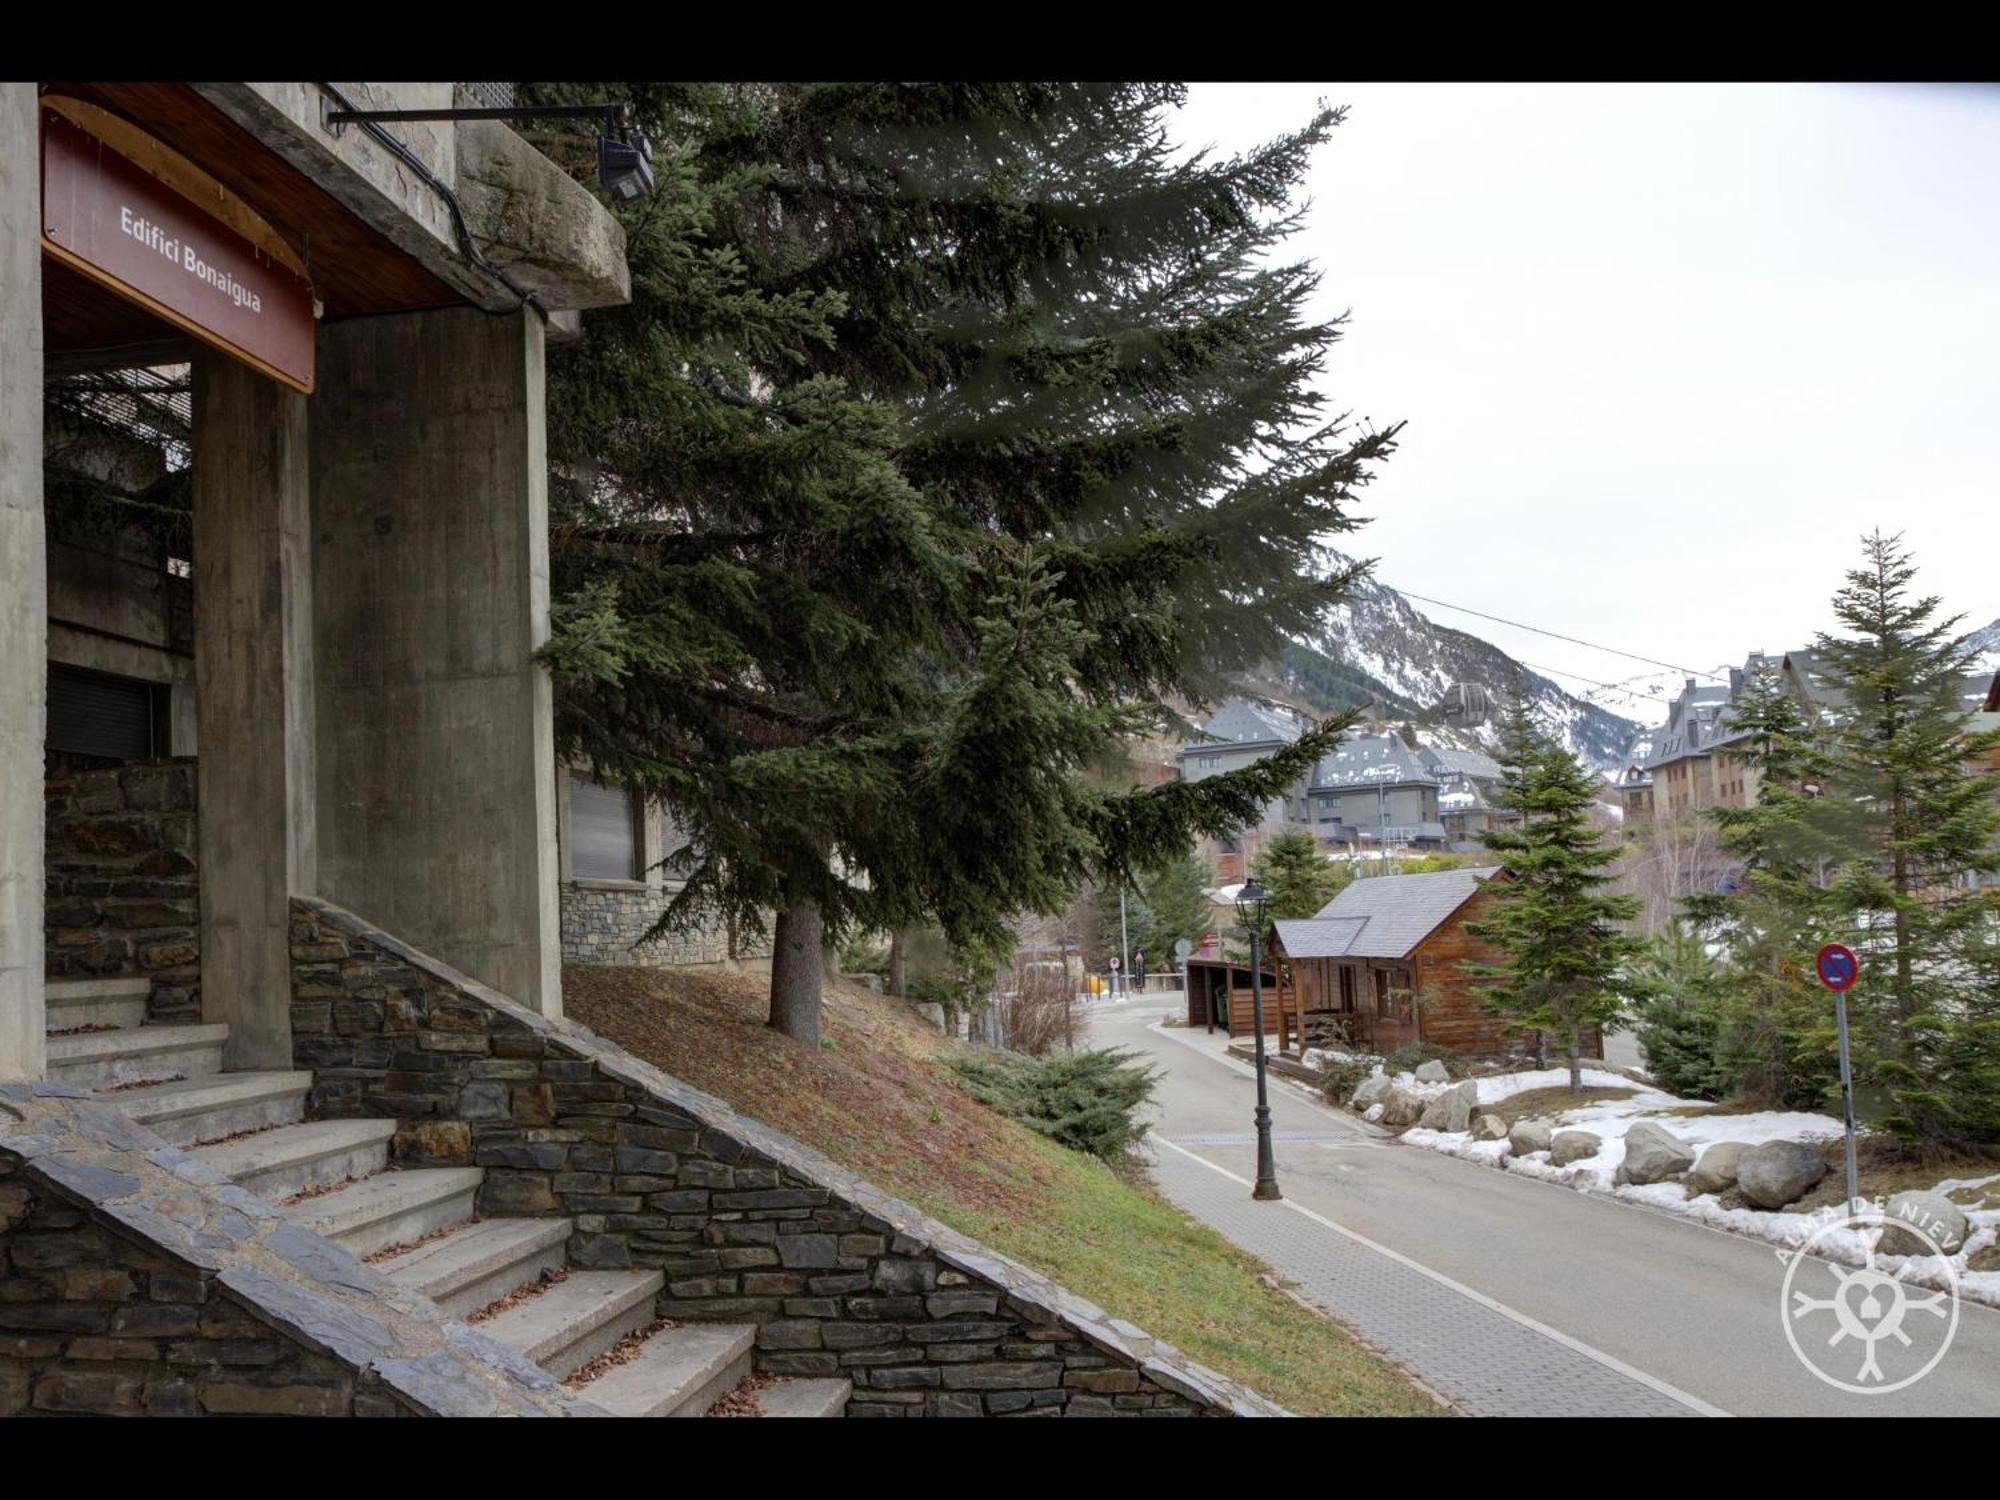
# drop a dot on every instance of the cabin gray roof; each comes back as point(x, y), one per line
point(1399, 911)
point(1371, 760)
point(1247, 721)
point(1319, 937)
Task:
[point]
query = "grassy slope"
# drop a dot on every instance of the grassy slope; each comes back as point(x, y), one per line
point(880, 1100)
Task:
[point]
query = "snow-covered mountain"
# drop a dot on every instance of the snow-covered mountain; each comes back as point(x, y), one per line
point(1987, 643)
point(1378, 645)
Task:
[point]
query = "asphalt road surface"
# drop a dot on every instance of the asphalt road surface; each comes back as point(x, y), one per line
point(1512, 1296)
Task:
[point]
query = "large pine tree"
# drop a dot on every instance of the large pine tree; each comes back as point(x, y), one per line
point(1924, 923)
point(951, 430)
point(1551, 914)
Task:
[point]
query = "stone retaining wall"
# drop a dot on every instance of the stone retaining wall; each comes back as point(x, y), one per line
point(134, 1281)
point(603, 923)
point(122, 889)
point(748, 1225)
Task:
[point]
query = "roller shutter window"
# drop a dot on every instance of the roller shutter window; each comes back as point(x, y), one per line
point(98, 715)
point(604, 832)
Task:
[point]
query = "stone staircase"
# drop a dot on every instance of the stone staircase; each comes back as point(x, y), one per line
point(334, 1177)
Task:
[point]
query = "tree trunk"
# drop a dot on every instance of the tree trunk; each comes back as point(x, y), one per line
point(1575, 1063)
point(896, 945)
point(798, 966)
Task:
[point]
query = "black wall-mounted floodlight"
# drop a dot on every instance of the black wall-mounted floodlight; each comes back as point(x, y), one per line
point(624, 155)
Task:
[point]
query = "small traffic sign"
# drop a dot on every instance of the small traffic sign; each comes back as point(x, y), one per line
point(1837, 966)
point(1182, 948)
point(1114, 965)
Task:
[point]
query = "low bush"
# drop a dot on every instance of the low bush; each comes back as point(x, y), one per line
point(1089, 1101)
point(1339, 1078)
point(1412, 1055)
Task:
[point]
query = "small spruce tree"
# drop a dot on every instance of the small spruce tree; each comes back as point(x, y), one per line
point(1551, 912)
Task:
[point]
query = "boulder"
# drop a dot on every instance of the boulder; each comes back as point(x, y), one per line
point(1775, 1173)
point(1715, 1172)
point(1489, 1128)
point(1932, 1213)
point(1402, 1105)
point(1372, 1114)
point(1451, 1111)
point(1529, 1135)
point(1573, 1145)
point(1374, 1089)
point(1432, 1072)
point(1653, 1154)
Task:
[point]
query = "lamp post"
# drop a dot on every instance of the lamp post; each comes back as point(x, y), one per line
point(1252, 901)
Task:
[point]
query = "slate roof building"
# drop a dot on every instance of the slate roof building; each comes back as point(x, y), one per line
point(1466, 783)
point(1374, 791)
point(1242, 731)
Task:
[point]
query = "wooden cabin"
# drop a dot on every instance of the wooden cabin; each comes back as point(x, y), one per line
point(1382, 961)
point(1218, 992)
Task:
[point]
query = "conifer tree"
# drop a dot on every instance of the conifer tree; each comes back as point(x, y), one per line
point(1912, 896)
point(1774, 1029)
point(950, 431)
point(1297, 873)
point(1550, 913)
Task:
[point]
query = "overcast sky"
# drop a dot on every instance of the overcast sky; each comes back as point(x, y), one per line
point(1665, 351)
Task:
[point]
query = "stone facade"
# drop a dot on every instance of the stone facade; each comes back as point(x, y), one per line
point(133, 1281)
point(747, 1224)
point(603, 921)
point(122, 887)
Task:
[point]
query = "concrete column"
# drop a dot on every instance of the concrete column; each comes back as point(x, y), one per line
point(437, 812)
point(24, 608)
point(254, 699)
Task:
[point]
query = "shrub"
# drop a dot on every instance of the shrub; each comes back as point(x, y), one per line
point(1339, 1079)
point(1408, 1057)
point(1038, 1010)
point(1089, 1101)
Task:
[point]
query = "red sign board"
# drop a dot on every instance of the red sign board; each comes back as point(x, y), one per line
point(125, 229)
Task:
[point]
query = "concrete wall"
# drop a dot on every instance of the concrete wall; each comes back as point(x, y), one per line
point(23, 588)
point(254, 691)
point(436, 760)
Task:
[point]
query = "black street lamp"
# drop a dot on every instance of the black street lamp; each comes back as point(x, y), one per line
point(1252, 901)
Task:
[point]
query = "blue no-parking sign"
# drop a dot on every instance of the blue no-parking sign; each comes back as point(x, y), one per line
point(1837, 966)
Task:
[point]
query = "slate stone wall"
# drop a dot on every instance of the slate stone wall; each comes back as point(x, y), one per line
point(123, 897)
point(747, 1224)
point(136, 1282)
point(96, 1325)
point(602, 924)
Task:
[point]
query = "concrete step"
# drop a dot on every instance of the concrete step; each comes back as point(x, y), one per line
point(576, 1320)
point(806, 1398)
point(480, 1263)
point(391, 1209)
point(217, 1104)
point(679, 1372)
point(97, 1002)
point(288, 1160)
point(105, 1059)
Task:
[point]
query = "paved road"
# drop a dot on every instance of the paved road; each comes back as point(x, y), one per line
point(1510, 1296)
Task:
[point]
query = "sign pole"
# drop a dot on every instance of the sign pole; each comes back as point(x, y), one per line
point(1838, 969)
point(1847, 1101)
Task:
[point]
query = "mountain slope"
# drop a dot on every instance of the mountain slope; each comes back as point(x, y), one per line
point(1377, 645)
